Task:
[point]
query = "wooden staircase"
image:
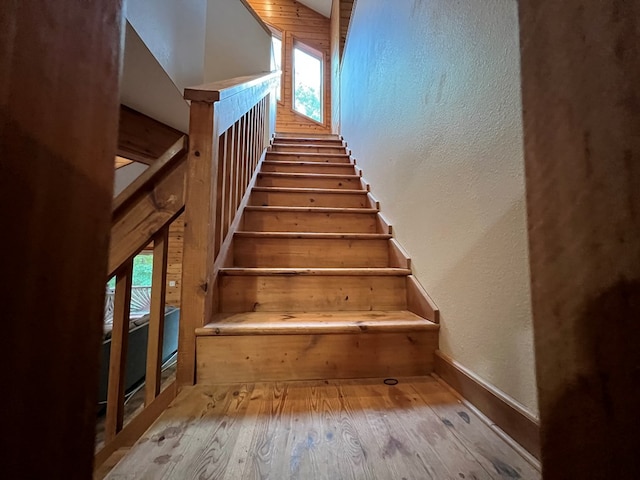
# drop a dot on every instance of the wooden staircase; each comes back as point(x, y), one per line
point(314, 286)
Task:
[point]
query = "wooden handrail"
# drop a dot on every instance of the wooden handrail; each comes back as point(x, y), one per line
point(142, 213)
point(215, 91)
point(230, 125)
point(149, 204)
point(165, 161)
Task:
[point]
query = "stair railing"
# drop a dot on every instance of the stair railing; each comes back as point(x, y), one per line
point(142, 214)
point(231, 123)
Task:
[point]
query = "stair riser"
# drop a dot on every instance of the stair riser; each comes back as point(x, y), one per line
point(293, 157)
point(323, 168)
point(315, 182)
point(311, 293)
point(310, 252)
point(308, 141)
point(295, 199)
point(309, 222)
point(305, 357)
point(308, 149)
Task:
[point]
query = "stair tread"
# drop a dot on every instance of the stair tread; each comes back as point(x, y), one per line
point(368, 271)
point(278, 208)
point(308, 175)
point(283, 323)
point(308, 154)
point(309, 145)
point(342, 191)
point(313, 164)
point(328, 235)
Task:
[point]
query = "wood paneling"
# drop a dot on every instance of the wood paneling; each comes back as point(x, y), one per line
point(298, 22)
point(580, 77)
point(58, 131)
point(323, 430)
point(141, 138)
point(174, 261)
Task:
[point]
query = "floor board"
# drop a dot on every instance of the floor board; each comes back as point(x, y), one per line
point(349, 429)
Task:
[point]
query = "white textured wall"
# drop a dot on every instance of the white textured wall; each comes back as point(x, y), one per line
point(174, 32)
point(126, 175)
point(147, 88)
point(431, 108)
point(236, 44)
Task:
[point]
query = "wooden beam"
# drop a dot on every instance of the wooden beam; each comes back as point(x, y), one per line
point(58, 128)
point(143, 139)
point(580, 76)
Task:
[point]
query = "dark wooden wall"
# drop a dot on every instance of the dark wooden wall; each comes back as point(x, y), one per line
point(58, 130)
point(581, 78)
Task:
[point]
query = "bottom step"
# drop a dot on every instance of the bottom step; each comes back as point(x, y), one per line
point(275, 346)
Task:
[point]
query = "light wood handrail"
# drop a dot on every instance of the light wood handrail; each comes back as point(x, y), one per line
point(231, 123)
point(215, 91)
point(141, 214)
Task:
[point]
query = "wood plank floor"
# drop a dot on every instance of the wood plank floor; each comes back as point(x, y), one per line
point(356, 429)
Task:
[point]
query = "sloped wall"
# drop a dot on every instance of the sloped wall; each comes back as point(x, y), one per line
point(236, 43)
point(431, 108)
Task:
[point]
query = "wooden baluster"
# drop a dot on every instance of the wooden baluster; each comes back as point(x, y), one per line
point(242, 156)
point(238, 183)
point(228, 181)
point(156, 316)
point(118, 355)
point(252, 141)
point(222, 143)
point(256, 121)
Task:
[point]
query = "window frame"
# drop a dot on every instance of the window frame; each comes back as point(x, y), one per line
point(279, 34)
point(319, 55)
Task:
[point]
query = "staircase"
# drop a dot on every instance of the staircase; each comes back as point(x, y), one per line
point(315, 287)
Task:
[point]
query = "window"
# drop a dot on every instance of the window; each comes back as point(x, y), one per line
point(307, 82)
point(276, 60)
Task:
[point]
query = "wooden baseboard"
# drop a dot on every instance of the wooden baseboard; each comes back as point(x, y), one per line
point(501, 410)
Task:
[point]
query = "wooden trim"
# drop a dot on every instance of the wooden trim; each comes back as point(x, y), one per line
point(507, 414)
point(257, 17)
point(138, 425)
point(215, 91)
point(397, 256)
point(419, 301)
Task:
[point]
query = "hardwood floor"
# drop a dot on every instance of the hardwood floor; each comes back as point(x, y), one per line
point(348, 429)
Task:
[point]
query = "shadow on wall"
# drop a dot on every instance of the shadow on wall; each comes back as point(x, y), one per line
point(491, 280)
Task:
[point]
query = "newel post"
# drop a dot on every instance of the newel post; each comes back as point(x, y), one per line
point(200, 205)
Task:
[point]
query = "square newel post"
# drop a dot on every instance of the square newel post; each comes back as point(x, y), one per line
point(201, 195)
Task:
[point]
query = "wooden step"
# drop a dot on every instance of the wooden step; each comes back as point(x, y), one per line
point(303, 250)
point(307, 148)
point(316, 140)
point(312, 290)
point(305, 345)
point(308, 167)
point(310, 219)
point(248, 358)
point(308, 197)
point(299, 323)
point(308, 157)
point(309, 180)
